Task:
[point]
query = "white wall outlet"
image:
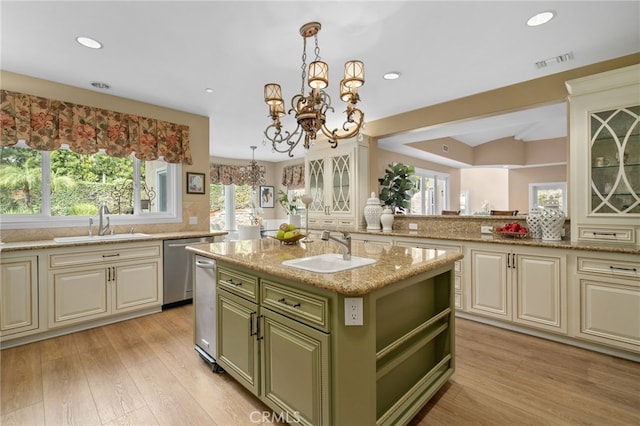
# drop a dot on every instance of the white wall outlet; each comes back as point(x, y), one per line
point(193, 220)
point(486, 229)
point(353, 311)
point(413, 226)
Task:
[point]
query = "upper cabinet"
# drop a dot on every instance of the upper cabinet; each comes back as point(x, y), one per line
point(338, 180)
point(604, 123)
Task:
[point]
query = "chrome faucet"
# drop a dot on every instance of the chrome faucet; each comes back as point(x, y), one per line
point(103, 227)
point(345, 243)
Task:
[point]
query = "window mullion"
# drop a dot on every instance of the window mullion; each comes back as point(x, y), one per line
point(46, 183)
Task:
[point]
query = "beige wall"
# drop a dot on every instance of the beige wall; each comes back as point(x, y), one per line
point(192, 204)
point(519, 180)
point(488, 184)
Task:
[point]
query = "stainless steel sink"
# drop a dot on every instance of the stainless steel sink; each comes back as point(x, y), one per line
point(97, 238)
point(328, 263)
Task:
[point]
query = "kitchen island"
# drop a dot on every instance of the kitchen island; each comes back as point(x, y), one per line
point(282, 332)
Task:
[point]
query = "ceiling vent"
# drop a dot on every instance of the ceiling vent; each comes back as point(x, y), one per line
point(555, 60)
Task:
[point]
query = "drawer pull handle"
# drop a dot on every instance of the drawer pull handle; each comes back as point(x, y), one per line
point(252, 333)
point(620, 268)
point(111, 255)
point(611, 234)
point(284, 302)
point(230, 281)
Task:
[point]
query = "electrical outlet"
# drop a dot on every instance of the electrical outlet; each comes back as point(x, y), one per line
point(413, 226)
point(486, 229)
point(353, 311)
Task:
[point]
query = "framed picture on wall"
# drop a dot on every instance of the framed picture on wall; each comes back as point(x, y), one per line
point(195, 183)
point(266, 196)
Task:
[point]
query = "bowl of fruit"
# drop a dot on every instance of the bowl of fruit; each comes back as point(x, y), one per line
point(288, 234)
point(512, 230)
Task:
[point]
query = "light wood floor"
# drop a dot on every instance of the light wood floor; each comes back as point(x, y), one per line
point(145, 372)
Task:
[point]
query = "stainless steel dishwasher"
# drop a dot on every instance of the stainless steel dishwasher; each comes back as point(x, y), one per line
point(178, 271)
point(205, 311)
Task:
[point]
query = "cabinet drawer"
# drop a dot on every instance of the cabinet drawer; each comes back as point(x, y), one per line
point(345, 222)
point(238, 283)
point(609, 268)
point(458, 283)
point(83, 257)
point(308, 308)
point(591, 233)
point(458, 300)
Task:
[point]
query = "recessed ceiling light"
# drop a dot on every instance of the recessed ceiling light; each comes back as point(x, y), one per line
point(89, 42)
point(391, 75)
point(540, 18)
point(100, 85)
point(208, 90)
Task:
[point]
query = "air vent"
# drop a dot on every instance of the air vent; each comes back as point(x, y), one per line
point(445, 148)
point(555, 60)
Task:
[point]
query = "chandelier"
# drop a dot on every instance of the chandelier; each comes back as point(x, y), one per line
point(310, 109)
point(254, 174)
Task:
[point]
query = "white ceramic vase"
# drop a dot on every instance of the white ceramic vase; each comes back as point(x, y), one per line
point(551, 222)
point(533, 223)
point(294, 219)
point(387, 219)
point(372, 213)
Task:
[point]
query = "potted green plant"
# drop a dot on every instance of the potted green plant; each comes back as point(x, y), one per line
point(397, 187)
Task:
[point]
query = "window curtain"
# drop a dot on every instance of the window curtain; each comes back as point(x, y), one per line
point(293, 176)
point(227, 174)
point(47, 124)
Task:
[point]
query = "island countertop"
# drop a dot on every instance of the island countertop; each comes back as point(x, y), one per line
point(393, 263)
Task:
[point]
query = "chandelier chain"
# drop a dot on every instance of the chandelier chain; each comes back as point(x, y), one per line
point(317, 48)
point(304, 64)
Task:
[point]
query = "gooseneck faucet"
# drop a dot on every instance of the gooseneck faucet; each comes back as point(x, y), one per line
point(103, 227)
point(345, 243)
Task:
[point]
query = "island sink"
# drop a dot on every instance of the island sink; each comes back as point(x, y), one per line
point(108, 237)
point(328, 263)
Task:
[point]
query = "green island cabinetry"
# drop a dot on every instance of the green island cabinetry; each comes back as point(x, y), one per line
point(286, 340)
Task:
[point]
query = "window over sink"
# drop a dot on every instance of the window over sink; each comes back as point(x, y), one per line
point(63, 188)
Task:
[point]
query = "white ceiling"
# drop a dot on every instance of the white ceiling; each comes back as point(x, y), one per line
point(168, 52)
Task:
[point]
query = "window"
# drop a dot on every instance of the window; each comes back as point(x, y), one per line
point(432, 194)
point(239, 199)
point(62, 188)
point(541, 193)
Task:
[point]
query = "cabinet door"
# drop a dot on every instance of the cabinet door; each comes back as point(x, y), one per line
point(78, 295)
point(341, 184)
point(315, 179)
point(610, 313)
point(295, 369)
point(540, 290)
point(137, 285)
point(490, 292)
point(18, 295)
point(237, 344)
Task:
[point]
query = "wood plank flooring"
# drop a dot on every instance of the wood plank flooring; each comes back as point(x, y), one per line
point(145, 372)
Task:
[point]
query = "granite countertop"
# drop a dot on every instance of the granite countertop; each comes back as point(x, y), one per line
point(48, 244)
point(393, 263)
point(491, 238)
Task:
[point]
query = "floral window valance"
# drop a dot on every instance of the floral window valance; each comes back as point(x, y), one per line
point(293, 176)
point(47, 124)
point(227, 174)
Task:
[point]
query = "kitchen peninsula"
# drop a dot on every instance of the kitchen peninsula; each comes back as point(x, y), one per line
point(282, 332)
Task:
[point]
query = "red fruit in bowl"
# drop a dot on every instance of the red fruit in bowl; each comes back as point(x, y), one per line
point(523, 230)
point(516, 227)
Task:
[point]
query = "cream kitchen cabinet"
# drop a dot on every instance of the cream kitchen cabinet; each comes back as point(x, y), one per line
point(523, 286)
point(267, 342)
point(19, 307)
point(604, 143)
point(338, 181)
point(605, 297)
point(89, 284)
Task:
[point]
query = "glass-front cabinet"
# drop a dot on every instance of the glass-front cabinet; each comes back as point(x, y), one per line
point(604, 142)
point(337, 180)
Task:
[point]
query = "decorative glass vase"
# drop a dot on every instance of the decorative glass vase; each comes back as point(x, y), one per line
point(372, 213)
point(533, 223)
point(387, 219)
point(551, 222)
